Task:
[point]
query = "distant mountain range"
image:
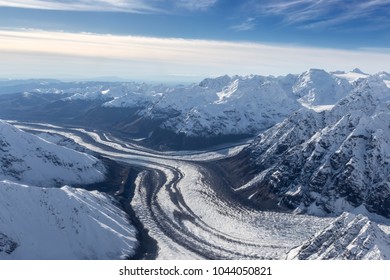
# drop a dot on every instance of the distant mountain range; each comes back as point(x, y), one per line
point(238, 106)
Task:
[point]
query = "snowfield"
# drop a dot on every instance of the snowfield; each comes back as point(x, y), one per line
point(56, 223)
point(62, 223)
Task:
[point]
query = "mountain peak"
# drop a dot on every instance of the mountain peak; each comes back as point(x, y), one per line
point(315, 71)
point(215, 83)
point(358, 71)
point(374, 85)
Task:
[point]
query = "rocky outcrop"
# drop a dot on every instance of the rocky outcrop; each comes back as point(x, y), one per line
point(7, 245)
point(349, 237)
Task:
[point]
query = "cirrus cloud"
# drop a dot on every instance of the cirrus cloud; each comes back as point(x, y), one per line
point(128, 6)
point(321, 13)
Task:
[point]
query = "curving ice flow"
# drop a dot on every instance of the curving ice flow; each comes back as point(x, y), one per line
point(180, 202)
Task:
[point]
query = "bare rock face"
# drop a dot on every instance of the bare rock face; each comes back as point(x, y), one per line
point(349, 237)
point(329, 161)
point(7, 245)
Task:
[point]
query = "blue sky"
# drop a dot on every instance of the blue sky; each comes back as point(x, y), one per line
point(188, 39)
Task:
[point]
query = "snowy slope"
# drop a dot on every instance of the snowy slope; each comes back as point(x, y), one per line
point(15, 86)
point(353, 75)
point(317, 89)
point(64, 223)
point(349, 237)
point(29, 159)
point(385, 77)
point(116, 94)
point(331, 161)
point(244, 106)
point(134, 95)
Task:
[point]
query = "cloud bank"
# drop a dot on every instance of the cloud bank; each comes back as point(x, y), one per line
point(32, 53)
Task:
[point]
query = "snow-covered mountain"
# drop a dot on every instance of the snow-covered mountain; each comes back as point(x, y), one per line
point(349, 237)
point(239, 104)
point(8, 86)
point(236, 105)
point(29, 159)
point(330, 161)
point(245, 105)
point(62, 223)
point(353, 75)
point(318, 89)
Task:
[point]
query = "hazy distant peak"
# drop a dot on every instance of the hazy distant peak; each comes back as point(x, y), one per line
point(358, 71)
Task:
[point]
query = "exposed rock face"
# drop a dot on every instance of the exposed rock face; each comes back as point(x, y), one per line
point(330, 161)
point(349, 237)
point(7, 245)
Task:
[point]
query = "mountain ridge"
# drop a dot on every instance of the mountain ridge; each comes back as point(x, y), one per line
point(222, 106)
point(349, 237)
point(330, 161)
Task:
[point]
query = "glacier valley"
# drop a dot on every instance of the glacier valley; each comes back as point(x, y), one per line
point(242, 167)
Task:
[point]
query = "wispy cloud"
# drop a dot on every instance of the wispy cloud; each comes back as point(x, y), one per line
point(59, 54)
point(196, 4)
point(133, 6)
point(324, 13)
point(129, 6)
point(248, 24)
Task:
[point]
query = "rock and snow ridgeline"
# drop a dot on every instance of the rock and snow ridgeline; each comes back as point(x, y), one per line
point(349, 237)
point(239, 104)
point(331, 161)
point(220, 106)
